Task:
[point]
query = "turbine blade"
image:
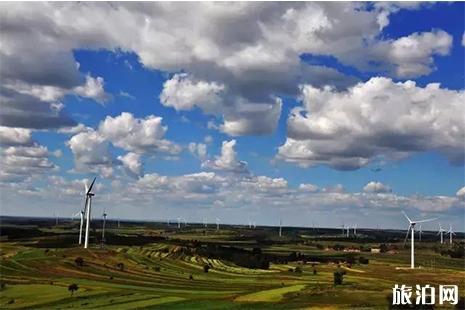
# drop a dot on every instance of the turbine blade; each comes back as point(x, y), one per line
point(408, 219)
point(427, 220)
point(406, 235)
point(92, 184)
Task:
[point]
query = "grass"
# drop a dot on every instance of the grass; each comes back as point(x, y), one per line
point(161, 276)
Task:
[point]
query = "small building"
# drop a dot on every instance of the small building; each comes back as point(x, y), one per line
point(375, 250)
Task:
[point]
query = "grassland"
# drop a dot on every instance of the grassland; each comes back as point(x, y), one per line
point(154, 266)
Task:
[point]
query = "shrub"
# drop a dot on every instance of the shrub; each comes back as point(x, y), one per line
point(157, 269)
point(314, 271)
point(79, 261)
point(298, 269)
point(339, 276)
point(120, 266)
point(363, 260)
point(72, 288)
point(206, 268)
point(191, 277)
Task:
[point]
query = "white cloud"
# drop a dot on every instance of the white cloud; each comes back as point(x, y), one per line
point(306, 187)
point(412, 55)
point(93, 88)
point(231, 53)
point(198, 149)
point(227, 160)
point(132, 164)
point(379, 118)
point(22, 162)
point(183, 93)
point(90, 148)
point(137, 135)
point(461, 193)
point(376, 187)
point(15, 136)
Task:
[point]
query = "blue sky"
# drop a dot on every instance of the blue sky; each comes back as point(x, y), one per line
point(135, 73)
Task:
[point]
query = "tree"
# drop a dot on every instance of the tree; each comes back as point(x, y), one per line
point(72, 288)
point(120, 266)
point(339, 276)
point(79, 261)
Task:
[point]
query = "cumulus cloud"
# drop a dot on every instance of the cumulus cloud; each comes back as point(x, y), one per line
point(28, 111)
point(376, 187)
point(91, 148)
point(132, 163)
point(461, 193)
point(93, 88)
point(137, 135)
point(236, 57)
point(227, 160)
point(378, 118)
point(22, 162)
point(183, 93)
point(91, 153)
point(198, 149)
point(412, 56)
point(306, 187)
point(15, 136)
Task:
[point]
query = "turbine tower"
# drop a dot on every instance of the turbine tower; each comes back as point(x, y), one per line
point(450, 232)
point(441, 233)
point(280, 227)
point(103, 226)
point(218, 221)
point(81, 225)
point(411, 228)
point(89, 195)
point(355, 230)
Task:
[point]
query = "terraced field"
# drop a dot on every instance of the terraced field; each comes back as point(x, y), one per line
point(161, 275)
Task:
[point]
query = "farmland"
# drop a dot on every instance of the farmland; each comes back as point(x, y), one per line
point(155, 265)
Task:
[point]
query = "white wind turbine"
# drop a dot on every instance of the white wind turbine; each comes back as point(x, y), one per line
point(89, 195)
point(450, 232)
point(253, 223)
point(218, 221)
point(420, 232)
point(441, 233)
point(411, 228)
point(280, 227)
point(179, 222)
point(355, 230)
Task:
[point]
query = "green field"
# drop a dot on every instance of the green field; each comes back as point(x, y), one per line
point(168, 272)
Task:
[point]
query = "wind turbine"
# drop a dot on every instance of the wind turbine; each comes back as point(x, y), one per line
point(218, 221)
point(103, 226)
point(343, 229)
point(441, 233)
point(89, 195)
point(348, 231)
point(355, 230)
point(280, 227)
point(450, 232)
point(411, 227)
point(179, 222)
point(253, 223)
